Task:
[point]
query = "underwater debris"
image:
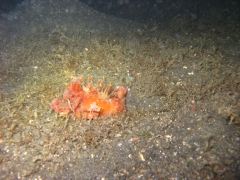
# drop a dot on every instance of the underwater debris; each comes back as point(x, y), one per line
point(89, 101)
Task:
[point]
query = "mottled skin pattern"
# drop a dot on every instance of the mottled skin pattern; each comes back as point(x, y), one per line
point(89, 101)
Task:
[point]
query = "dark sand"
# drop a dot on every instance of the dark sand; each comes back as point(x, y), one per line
point(182, 113)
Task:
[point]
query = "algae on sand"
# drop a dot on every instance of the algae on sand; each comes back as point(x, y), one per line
point(180, 94)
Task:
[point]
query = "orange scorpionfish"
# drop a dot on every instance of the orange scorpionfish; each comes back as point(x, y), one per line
point(88, 101)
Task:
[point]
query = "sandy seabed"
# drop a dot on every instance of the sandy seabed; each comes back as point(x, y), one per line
point(182, 113)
